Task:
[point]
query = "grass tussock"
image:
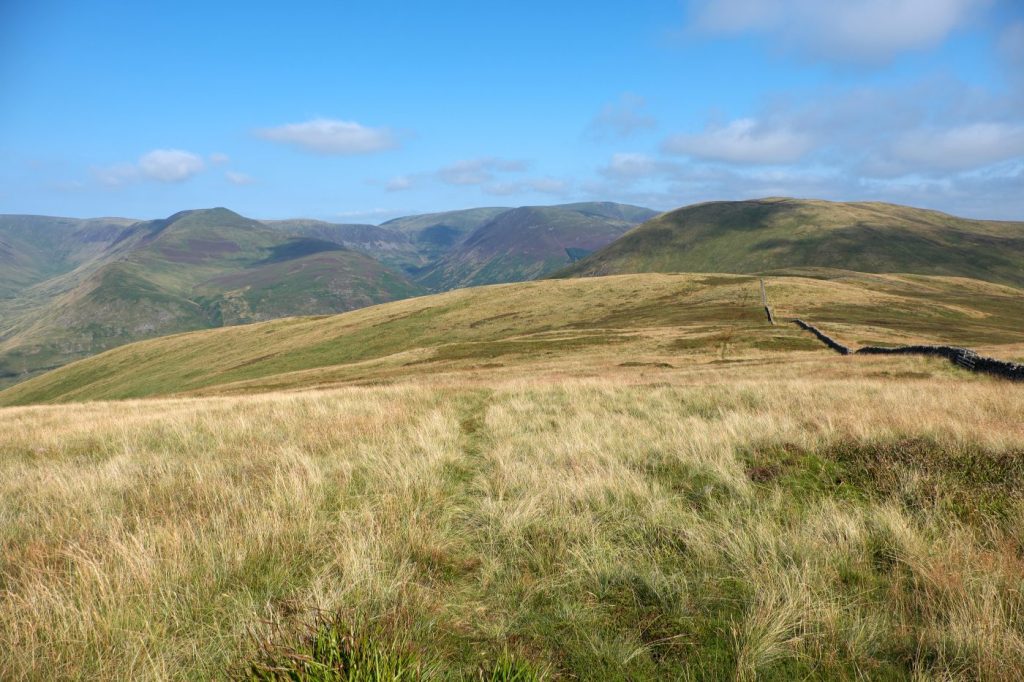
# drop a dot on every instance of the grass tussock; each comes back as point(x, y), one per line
point(588, 529)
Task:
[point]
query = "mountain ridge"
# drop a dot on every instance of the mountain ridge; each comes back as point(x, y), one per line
point(779, 232)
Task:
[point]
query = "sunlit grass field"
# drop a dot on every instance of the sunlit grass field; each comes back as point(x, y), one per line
point(593, 529)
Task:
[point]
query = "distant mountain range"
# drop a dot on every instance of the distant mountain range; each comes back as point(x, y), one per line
point(476, 246)
point(71, 288)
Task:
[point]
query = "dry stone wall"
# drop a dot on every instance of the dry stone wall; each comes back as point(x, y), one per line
point(962, 356)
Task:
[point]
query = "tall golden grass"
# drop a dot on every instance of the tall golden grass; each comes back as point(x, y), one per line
point(811, 528)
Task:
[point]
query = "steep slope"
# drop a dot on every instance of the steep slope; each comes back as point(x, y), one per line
point(578, 327)
point(769, 234)
point(435, 234)
point(530, 242)
point(194, 270)
point(392, 247)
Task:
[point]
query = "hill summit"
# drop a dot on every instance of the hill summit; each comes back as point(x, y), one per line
point(781, 233)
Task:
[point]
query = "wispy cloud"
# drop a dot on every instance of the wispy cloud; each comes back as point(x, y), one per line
point(331, 136)
point(622, 117)
point(117, 175)
point(632, 166)
point(961, 147)
point(236, 178)
point(400, 183)
point(218, 158)
point(478, 171)
point(744, 140)
point(865, 31)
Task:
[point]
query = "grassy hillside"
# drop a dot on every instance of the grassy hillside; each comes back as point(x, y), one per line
point(759, 528)
point(668, 325)
point(194, 270)
point(769, 234)
point(530, 242)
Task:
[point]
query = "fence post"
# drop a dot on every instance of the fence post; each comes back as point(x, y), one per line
point(764, 302)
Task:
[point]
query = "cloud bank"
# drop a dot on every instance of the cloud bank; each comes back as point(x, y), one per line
point(332, 137)
point(866, 31)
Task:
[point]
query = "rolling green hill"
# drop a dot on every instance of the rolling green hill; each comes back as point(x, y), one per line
point(580, 327)
point(529, 242)
point(770, 234)
point(193, 270)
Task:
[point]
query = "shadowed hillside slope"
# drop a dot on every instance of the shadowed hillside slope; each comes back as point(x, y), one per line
point(529, 242)
point(435, 234)
point(393, 247)
point(592, 326)
point(769, 234)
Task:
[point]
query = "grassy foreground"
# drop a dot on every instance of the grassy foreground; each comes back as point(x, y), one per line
point(827, 528)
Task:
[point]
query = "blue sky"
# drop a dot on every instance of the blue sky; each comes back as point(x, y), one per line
point(358, 112)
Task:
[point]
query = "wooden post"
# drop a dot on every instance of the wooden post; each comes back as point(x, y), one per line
point(764, 302)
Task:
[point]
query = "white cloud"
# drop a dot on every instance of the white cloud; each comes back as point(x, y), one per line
point(628, 166)
point(744, 140)
point(961, 147)
point(236, 178)
point(478, 171)
point(170, 165)
point(161, 165)
point(847, 30)
point(329, 136)
point(218, 159)
point(622, 118)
